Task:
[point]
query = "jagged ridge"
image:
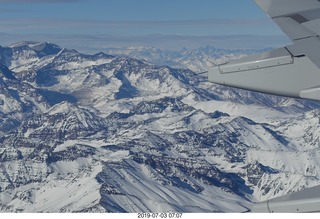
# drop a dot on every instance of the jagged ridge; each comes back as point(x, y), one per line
point(102, 133)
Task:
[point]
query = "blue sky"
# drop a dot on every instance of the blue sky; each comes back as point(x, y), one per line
point(116, 23)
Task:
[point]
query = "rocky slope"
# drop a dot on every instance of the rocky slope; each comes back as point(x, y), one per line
point(102, 133)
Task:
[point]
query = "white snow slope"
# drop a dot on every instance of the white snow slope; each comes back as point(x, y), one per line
point(101, 133)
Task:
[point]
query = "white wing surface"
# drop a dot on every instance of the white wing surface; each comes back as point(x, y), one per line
point(290, 71)
point(305, 201)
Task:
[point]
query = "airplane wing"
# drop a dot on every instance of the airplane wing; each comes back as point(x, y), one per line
point(305, 201)
point(292, 71)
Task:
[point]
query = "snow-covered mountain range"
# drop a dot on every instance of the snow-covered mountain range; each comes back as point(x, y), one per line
point(197, 60)
point(104, 133)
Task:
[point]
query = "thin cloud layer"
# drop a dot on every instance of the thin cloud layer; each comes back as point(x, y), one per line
point(96, 43)
point(207, 26)
point(77, 24)
point(11, 10)
point(37, 1)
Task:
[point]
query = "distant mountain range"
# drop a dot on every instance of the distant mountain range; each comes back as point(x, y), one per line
point(197, 60)
point(111, 133)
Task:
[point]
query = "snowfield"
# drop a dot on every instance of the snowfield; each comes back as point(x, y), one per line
point(104, 133)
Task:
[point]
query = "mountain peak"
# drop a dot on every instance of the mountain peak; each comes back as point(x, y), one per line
point(130, 136)
point(63, 107)
point(41, 48)
point(23, 43)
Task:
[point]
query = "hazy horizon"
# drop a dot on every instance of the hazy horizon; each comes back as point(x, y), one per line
point(87, 44)
point(92, 26)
